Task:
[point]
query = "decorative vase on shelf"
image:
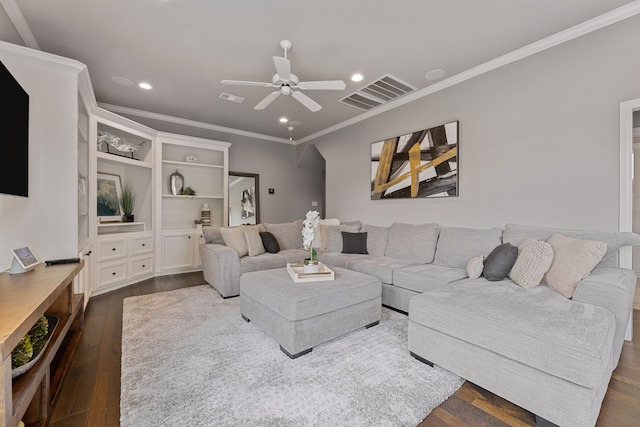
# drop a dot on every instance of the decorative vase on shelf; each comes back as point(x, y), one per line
point(205, 215)
point(176, 183)
point(311, 266)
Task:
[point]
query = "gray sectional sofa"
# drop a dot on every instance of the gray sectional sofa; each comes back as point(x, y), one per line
point(547, 353)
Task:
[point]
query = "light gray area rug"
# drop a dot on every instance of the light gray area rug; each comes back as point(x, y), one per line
point(188, 359)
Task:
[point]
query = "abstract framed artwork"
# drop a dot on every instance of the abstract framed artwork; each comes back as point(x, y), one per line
point(109, 189)
point(416, 165)
point(247, 206)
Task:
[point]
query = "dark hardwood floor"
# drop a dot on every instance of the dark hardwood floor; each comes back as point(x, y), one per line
point(90, 394)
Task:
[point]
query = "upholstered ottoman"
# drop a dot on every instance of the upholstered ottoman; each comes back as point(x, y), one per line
point(300, 316)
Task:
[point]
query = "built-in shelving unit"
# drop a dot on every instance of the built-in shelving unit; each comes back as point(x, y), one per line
point(207, 174)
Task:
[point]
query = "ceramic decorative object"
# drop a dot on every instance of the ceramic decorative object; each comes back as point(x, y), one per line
point(191, 159)
point(176, 183)
point(311, 266)
point(205, 214)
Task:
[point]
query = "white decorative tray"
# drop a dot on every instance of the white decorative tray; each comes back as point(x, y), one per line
point(296, 271)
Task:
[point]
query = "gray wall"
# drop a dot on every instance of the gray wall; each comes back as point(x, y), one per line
point(539, 141)
point(8, 32)
point(295, 188)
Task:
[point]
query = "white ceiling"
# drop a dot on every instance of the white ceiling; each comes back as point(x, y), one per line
point(185, 47)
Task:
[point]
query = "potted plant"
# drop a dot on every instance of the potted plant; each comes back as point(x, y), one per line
point(198, 223)
point(127, 201)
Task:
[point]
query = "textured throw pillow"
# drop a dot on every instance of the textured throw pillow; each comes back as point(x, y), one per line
point(499, 262)
point(573, 260)
point(253, 240)
point(269, 242)
point(534, 260)
point(234, 238)
point(354, 243)
point(317, 236)
point(475, 266)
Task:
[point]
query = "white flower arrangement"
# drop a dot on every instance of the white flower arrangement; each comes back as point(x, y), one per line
point(308, 229)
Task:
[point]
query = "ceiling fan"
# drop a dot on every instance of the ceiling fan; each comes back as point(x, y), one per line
point(286, 83)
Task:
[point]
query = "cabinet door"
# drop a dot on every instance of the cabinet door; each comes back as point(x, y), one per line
point(177, 250)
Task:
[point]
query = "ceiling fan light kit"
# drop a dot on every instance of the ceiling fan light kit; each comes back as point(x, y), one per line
point(285, 82)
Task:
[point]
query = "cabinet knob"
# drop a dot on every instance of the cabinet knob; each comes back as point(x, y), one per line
point(143, 266)
point(113, 249)
point(188, 237)
point(113, 274)
point(144, 244)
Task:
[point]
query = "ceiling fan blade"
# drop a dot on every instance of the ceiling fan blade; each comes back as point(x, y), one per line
point(283, 68)
point(323, 85)
point(267, 100)
point(245, 83)
point(306, 101)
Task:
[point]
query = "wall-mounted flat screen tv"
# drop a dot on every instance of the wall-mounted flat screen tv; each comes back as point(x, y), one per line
point(14, 136)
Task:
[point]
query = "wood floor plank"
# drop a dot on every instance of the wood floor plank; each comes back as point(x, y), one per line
point(90, 393)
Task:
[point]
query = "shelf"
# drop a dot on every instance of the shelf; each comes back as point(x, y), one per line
point(123, 160)
point(121, 227)
point(171, 196)
point(201, 165)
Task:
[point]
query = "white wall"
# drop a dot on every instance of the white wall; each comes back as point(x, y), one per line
point(539, 141)
point(46, 221)
point(8, 31)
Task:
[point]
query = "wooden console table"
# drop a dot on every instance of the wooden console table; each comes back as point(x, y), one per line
point(24, 298)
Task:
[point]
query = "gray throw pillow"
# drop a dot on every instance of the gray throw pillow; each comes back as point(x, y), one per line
point(269, 242)
point(354, 243)
point(499, 262)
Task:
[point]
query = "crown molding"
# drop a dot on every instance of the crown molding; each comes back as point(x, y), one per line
point(41, 58)
point(192, 123)
point(17, 18)
point(599, 22)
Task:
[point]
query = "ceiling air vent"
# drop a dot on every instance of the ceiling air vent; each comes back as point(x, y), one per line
point(383, 90)
point(230, 97)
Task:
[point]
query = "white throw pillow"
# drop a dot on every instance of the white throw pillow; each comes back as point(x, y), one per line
point(253, 240)
point(573, 260)
point(234, 238)
point(475, 267)
point(534, 260)
point(317, 235)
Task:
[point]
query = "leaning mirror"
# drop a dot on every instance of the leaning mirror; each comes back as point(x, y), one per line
point(244, 200)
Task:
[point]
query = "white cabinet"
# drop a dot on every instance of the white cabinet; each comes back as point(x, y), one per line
point(180, 249)
point(123, 259)
point(84, 281)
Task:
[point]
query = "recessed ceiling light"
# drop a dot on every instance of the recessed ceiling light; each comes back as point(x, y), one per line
point(122, 81)
point(283, 120)
point(357, 77)
point(145, 85)
point(435, 74)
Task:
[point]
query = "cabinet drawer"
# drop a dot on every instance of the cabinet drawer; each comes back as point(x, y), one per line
point(112, 249)
point(141, 245)
point(141, 266)
point(112, 273)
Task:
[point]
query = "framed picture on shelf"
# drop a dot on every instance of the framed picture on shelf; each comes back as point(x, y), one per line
point(109, 193)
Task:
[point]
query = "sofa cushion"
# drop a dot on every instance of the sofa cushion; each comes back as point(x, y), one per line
point(332, 236)
point(573, 260)
point(536, 327)
point(338, 259)
point(516, 234)
point(425, 277)
point(381, 267)
point(212, 235)
point(457, 245)
point(266, 261)
point(234, 238)
point(413, 242)
point(354, 243)
point(377, 238)
point(499, 262)
point(534, 260)
point(253, 240)
point(288, 234)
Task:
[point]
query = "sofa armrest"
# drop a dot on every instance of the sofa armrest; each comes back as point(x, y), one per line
point(613, 289)
point(221, 268)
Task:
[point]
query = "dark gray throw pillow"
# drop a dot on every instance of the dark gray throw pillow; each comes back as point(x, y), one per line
point(499, 262)
point(269, 242)
point(354, 243)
